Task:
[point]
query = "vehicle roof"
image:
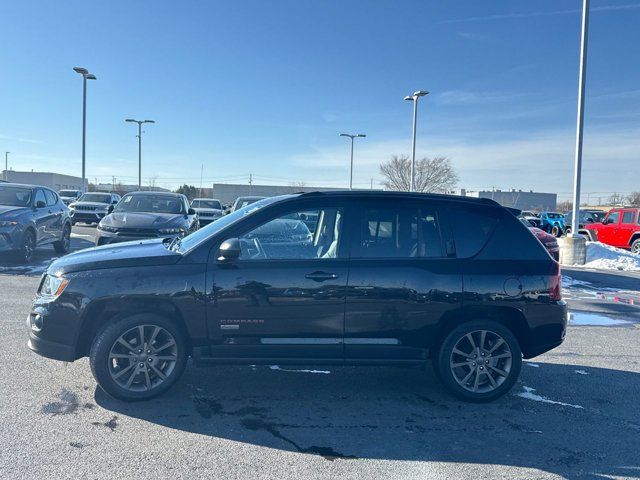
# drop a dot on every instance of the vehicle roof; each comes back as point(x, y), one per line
point(205, 198)
point(151, 192)
point(251, 196)
point(24, 185)
point(389, 194)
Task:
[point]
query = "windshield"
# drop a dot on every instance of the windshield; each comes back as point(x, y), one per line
point(15, 196)
point(244, 201)
point(150, 203)
point(68, 193)
point(96, 197)
point(214, 204)
point(196, 238)
point(555, 215)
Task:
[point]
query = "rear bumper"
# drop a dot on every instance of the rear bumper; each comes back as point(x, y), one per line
point(547, 327)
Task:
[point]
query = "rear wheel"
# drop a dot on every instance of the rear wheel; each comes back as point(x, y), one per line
point(635, 246)
point(479, 361)
point(139, 357)
point(63, 245)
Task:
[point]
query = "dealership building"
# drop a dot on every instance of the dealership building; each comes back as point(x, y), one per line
point(522, 200)
point(55, 181)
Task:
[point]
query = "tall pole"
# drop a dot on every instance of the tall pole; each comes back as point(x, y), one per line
point(351, 172)
point(412, 188)
point(580, 118)
point(359, 135)
point(84, 128)
point(139, 155)
point(6, 166)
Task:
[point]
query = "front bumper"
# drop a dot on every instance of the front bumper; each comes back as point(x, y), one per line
point(49, 349)
point(58, 329)
point(81, 216)
point(10, 238)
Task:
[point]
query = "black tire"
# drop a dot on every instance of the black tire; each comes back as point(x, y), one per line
point(635, 246)
point(25, 253)
point(103, 368)
point(444, 361)
point(555, 231)
point(64, 244)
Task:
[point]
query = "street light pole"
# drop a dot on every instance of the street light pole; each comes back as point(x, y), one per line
point(6, 166)
point(359, 135)
point(139, 122)
point(85, 76)
point(575, 214)
point(414, 98)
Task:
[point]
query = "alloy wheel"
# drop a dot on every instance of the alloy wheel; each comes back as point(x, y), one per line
point(481, 361)
point(28, 247)
point(143, 357)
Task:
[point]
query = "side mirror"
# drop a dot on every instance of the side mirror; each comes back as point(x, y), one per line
point(229, 250)
point(110, 208)
point(40, 204)
point(191, 211)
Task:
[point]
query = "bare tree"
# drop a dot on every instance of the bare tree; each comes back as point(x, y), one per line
point(432, 174)
point(298, 184)
point(616, 199)
point(565, 206)
point(152, 182)
point(634, 199)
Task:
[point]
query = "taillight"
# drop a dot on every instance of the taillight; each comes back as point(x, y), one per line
point(555, 286)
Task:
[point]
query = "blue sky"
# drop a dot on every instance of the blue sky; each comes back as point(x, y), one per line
point(266, 87)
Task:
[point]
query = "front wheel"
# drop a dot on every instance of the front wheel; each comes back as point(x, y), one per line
point(479, 361)
point(556, 231)
point(25, 253)
point(635, 246)
point(139, 357)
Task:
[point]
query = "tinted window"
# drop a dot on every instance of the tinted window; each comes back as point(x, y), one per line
point(471, 228)
point(627, 217)
point(396, 232)
point(308, 234)
point(613, 217)
point(51, 198)
point(15, 196)
point(39, 197)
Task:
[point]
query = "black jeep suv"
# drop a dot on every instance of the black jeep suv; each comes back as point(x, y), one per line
point(339, 278)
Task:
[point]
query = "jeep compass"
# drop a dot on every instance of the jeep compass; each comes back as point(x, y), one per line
point(333, 278)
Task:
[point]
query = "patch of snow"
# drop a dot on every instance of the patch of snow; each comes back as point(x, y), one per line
point(606, 257)
point(277, 367)
point(533, 365)
point(594, 319)
point(568, 282)
point(529, 395)
point(581, 372)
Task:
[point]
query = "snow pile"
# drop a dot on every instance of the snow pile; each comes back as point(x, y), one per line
point(606, 257)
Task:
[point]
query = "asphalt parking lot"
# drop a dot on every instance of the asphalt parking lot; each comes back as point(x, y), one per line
point(574, 413)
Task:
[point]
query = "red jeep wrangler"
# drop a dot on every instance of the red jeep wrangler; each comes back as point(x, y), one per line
point(619, 228)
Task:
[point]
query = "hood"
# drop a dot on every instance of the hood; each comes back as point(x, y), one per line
point(128, 254)
point(11, 210)
point(143, 220)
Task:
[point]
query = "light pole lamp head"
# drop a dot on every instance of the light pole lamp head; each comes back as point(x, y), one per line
point(149, 121)
point(420, 93)
point(131, 120)
point(361, 135)
point(409, 98)
point(345, 135)
point(90, 76)
point(81, 70)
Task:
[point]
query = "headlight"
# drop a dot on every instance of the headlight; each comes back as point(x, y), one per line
point(171, 231)
point(8, 223)
point(52, 286)
point(107, 228)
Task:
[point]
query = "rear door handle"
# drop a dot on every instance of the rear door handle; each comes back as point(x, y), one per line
point(321, 276)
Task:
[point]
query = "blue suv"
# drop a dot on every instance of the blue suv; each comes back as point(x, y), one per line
point(552, 222)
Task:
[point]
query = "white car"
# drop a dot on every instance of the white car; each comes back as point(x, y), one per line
point(208, 209)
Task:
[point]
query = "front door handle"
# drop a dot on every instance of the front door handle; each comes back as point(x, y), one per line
point(321, 276)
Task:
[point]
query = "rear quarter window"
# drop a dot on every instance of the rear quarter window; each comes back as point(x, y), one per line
point(471, 228)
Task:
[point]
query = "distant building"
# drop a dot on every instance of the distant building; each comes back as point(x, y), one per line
point(122, 189)
point(519, 199)
point(228, 192)
point(52, 180)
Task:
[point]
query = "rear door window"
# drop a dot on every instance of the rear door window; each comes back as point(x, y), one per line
point(398, 232)
point(613, 217)
point(627, 217)
point(39, 197)
point(51, 198)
